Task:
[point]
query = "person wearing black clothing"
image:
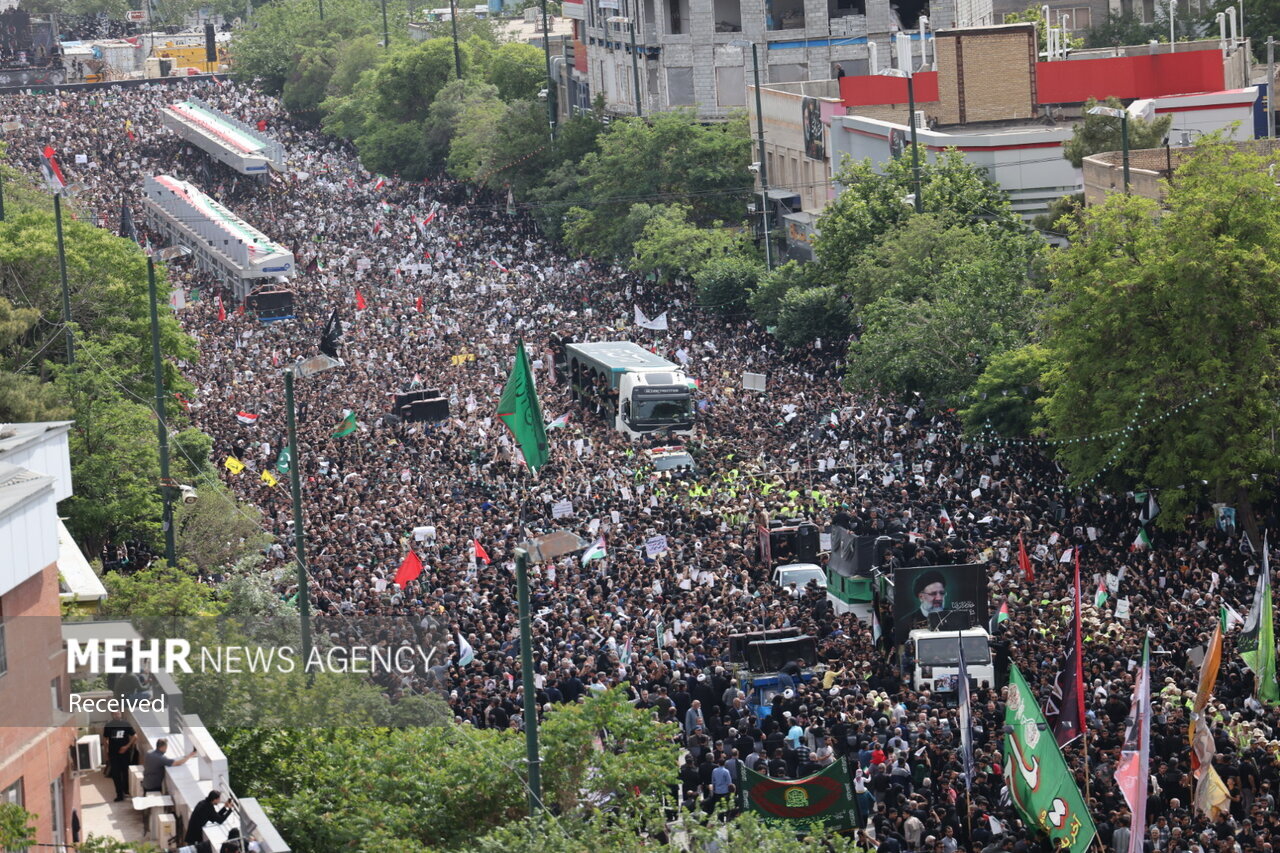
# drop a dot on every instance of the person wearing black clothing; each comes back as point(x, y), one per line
point(205, 812)
point(118, 741)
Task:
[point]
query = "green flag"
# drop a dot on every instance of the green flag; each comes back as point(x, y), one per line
point(282, 461)
point(519, 410)
point(1040, 784)
point(809, 806)
point(1257, 643)
point(346, 426)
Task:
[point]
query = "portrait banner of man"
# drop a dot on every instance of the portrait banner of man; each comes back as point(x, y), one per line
point(938, 597)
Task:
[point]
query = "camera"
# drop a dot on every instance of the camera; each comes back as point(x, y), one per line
point(754, 168)
point(189, 494)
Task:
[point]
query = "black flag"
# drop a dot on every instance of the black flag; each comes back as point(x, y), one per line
point(126, 222)
point(332, 335)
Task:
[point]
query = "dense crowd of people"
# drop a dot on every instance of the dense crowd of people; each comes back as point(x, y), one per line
point(423, 273)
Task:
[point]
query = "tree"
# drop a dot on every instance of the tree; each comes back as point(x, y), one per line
point(17, 827)
point(217, 529)
point(725, 283)
point(1095, 134)
point(1123, 28)
point(405, 85)
point(936, 301)
point(1164, 335)
point(776, 284)
point(1005, 400)
point(23, 397)
point(805, 316)
point(671, 246)
point(161, 601)
point(518, 70)
point(479, 118)
point(661, 158)
point(872, 203)
point(1034, 14)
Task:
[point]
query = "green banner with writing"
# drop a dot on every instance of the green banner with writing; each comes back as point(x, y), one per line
point(823, 802)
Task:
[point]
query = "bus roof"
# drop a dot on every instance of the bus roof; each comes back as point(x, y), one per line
point(622, 355)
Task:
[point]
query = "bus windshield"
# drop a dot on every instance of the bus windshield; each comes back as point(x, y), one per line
point(943, 651)
point(649, 410)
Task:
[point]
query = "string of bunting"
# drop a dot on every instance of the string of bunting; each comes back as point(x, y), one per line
point(480, 181)
point(1129, 428)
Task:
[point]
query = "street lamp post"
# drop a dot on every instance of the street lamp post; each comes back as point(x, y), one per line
point(457, 53)
point(386, 37)
point(1123, 115)
point(764, 162)
point(911, 122)
point(551, 86)
point(635, 64)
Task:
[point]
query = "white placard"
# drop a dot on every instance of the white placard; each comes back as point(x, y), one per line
point(655, 545)
point(1122, 608)
point(561, 508)
point(753, 381)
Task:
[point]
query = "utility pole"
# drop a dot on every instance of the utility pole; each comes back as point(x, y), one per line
point(635, 66)
point(1, 195)
point(1124, 146)
point(62, 273)
point(526, 681)
point(162, 429)
point(915, 151)
point(321, 9)
point(386, 37)
point(299, 538)
point(551, 86)
point(457, 53)
point(764, 164)
point(1271, 99)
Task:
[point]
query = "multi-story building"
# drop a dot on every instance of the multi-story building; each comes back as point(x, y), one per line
point(36, 768)
point(699, 55)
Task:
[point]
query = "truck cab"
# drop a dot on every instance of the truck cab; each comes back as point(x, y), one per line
point(936, 659)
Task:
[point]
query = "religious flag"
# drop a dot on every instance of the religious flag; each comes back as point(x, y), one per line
point(127, 228)
point(331, 337)
point(360, 303)
point(1211, 796)
point(1134, 768)
point(269, 478)
point(597, 551)
point(1150, 508)
point(479, 552)
point(282, 461)
point(234, 465)
point(1100, 595)
point(247, 418)
point(1141, 542)
point(222, 311)
point(1024, 561)
point(1257, 644)
point(1041, 786)
point(429, 218)
point(1065, 710)
point(945, 518)
point(559, 422)
point(818, 803)
point(346, 426)
point(964, 706)
point(519, 410)
point(410, 569)
point(52, 172)
point(1003, 615)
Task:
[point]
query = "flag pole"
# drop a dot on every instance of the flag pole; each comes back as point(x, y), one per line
point(299, 538)
point(162, 430)
point(62, 274)
point(526, 678)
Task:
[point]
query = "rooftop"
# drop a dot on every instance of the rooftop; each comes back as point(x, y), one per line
point(18, 485)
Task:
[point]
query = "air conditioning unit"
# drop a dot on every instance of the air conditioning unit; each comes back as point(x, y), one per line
point(88, 753)
point(921, 123)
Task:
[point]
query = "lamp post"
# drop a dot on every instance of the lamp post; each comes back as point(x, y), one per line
point(457, 53)
point(1123, 115)
point(162, 429)
point(551, 86)
point(764, 160)
point(911, 121)
point(386, 37)
point(635, 64)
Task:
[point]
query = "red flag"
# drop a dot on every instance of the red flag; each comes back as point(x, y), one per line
point(240, 309)
point(360, 303)
point(426, 220)
point(1024, 561)
point(409, 569)
point(419, 304)
point(382, 182)
point(480, 552)
point(52, 172)
point(222, 312)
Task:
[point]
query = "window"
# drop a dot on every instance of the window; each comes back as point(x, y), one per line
point(731, 86)
point(678, 19)
point(12, 794)
point(943, 651)
point(784, 14)
point(680, 87)
point(55, 693)
point(1075, 20)
point(728, 16)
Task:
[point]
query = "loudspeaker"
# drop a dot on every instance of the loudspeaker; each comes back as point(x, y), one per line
point(807, 543)
point(408, 398)
point(429, 411)
point(271, 304)
point(738, 643)
point(210, 49)
point(773, 655)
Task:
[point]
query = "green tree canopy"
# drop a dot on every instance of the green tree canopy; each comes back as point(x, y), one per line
point(1095, 134)
point(725, 283)
point(1165, 333)
point(671, 246)
point(518, 70)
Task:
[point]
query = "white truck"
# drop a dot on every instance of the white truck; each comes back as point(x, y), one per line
point(633, 389)
point(937, 660)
